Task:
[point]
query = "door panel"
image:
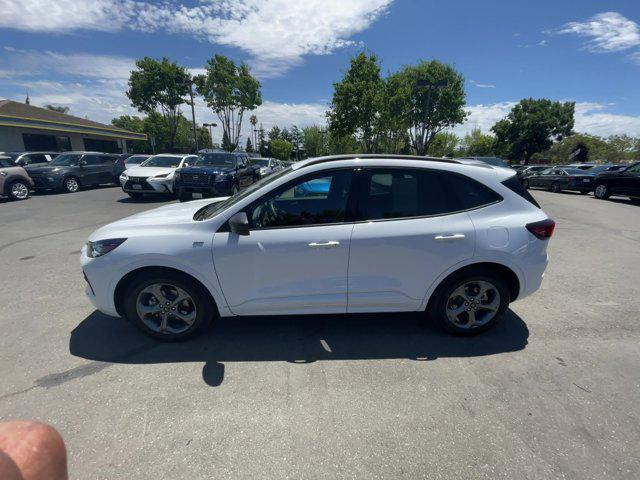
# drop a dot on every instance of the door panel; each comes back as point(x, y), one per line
point(281, 271)
point(393, 263)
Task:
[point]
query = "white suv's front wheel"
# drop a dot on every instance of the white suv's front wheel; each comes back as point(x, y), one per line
point(168, 307)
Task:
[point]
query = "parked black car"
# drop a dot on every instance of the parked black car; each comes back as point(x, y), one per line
point(215, 174)
point(529, 169)
point(72, 170)
point(557, 179)
point(621, 182)
point(31, 158)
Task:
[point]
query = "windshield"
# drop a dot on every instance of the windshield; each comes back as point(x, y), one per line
point(212, 209)
point(168, 161)
point(66, 159)
point(136, 159)
point(216, 160)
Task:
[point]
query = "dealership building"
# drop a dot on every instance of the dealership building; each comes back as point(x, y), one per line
point(24, 127)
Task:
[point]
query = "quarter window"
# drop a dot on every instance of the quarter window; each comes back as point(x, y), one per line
point(312, 201)
point(403, 193)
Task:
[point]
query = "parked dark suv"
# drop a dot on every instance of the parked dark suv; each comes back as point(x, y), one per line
point(32, 158)
point(215, 174)
point(624, 182)
point(72, 170)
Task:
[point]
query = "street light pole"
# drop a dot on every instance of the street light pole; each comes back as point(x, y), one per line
point(210, 134)
point(193, 115)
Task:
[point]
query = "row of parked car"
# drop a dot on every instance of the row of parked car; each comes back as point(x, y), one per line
point(603, 180)
point(187, 176)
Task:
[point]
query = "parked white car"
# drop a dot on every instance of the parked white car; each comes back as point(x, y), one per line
point(267, 165)
point(154, 175)
point(329, 235)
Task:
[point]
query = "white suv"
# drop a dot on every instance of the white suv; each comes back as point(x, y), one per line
point(454, 238)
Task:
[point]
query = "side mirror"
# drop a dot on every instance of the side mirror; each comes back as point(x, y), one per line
point(239, 224)
point(82, 163)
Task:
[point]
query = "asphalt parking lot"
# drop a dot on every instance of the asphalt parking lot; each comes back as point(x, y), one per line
point(552, 392)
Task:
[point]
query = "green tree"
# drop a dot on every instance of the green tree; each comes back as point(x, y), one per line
point(597, 149)
point(229, 90)
point(296, 140)
point(444, 144)
point(478, 144)
point(357, 100)
point(160, 87)
point(625, 147)
point(262, 143)
point(314, 139)
point(532, 126)
point(274, 133)
point(427, 98)
point(56, 108)
point(249, 146)
point(280, 149)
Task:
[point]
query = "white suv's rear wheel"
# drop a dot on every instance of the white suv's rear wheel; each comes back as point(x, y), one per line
point(470, 303)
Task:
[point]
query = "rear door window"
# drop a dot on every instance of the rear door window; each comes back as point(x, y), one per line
point(404, 193)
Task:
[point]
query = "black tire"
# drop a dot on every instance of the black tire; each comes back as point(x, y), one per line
point(201, 299)
point(584, 192)
point(525, 184)
point(601, 191)
point(184, 197)
point(635, 200)
point(18, 190)
point(68, 185)
point(437, 307)
point(135, 195)
point(555, 187)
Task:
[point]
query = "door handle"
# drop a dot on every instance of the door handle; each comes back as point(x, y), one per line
point(452, 236)
point(324, 244)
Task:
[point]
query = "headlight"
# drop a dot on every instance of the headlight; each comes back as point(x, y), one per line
point(123, 176)
point(162, 175)
point(102, 247)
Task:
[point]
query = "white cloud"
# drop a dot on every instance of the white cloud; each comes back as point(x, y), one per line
point(607, 32)
point(590, 117)
point(31, 62)
point(481, 85)
point(277, 34)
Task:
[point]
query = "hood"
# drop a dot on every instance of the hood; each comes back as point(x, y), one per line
point(162, 218)
point(207, 170)
point(44, 169)
point(147, 171)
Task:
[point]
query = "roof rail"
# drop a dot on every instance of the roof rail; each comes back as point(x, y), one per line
point(384, 156)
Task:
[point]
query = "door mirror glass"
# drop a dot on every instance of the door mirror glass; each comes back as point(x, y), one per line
point(82, 163)
point(239, 224)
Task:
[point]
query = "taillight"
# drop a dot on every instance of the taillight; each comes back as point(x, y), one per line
point(542, 229)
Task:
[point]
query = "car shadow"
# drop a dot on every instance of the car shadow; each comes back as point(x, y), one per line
point(295, 339)
point(147, 198)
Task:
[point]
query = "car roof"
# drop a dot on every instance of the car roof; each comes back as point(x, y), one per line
point(383, 156)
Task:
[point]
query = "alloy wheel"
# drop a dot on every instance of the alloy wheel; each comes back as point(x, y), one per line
point(166, 308)
point(601, 191)
point(71, 184)
point(473, 304)
point(19, 191)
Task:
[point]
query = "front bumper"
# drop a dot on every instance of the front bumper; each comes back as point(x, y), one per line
point(99, 289)
point(222, 188)
point(46, 182)
point(147, 185)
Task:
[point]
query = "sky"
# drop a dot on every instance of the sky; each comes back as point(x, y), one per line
point(78, 53)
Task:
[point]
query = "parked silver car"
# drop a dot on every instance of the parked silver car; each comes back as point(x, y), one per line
point(267, 165)
point(15, 183)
